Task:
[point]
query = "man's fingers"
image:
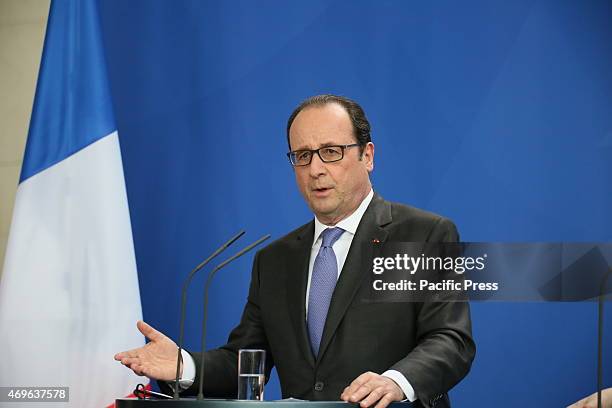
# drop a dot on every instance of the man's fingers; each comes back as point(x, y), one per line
point(129, 353)
point(372, 397)
point(384, 401)
point(363, 378)
point(145, 370)
point(356, 386)
point(137, 369)
point(362, 392)
point(583, 403)
point(121, 355)
point(148, 331)
point(141, 369)
point(372, 390)
point(128, 361)
point(149, 359)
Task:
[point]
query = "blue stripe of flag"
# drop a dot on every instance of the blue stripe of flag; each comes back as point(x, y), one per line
point(73, 106)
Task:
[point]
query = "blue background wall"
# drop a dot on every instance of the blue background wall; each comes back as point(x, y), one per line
point(496, 114)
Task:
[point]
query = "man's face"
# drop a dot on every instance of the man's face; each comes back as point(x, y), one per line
point(332, 190)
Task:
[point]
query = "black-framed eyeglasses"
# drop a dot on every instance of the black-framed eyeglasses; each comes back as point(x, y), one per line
point(327, 154)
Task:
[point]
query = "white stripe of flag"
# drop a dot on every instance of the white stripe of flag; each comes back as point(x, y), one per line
point(69, 296)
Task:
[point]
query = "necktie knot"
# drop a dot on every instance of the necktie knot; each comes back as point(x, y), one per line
point(330, 236)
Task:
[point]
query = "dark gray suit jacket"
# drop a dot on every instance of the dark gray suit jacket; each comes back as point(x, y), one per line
point(429, 343)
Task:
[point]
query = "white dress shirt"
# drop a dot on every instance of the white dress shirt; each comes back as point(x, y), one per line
point(341, 249)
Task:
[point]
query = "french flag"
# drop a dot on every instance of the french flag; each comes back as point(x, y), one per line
point(69, 295)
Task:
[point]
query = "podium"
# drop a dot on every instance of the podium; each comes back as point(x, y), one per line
point(219, 403)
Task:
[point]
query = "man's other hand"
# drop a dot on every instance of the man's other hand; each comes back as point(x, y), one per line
point(156, 359)
point(591, 400)
point(371, 388)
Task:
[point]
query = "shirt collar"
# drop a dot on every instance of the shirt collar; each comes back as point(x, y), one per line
point(350, 223)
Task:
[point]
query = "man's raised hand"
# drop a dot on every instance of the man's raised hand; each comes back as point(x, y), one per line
point(591, 400)
point(156, 359)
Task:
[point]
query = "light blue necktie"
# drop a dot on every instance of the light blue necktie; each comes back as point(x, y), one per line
point(322, 284)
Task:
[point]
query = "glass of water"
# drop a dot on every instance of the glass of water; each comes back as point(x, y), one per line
point(251, 374)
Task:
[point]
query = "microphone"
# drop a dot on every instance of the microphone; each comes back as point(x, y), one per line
point(600, 322)
point(206, 286)
point(184, 301)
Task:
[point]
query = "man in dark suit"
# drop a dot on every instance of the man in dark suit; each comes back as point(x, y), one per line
point(306, 303)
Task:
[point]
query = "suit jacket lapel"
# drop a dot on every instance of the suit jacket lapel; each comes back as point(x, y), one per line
point(356, 266)
point(298, 260)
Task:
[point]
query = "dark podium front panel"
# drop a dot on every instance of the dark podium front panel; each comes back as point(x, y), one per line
point(212, 403)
